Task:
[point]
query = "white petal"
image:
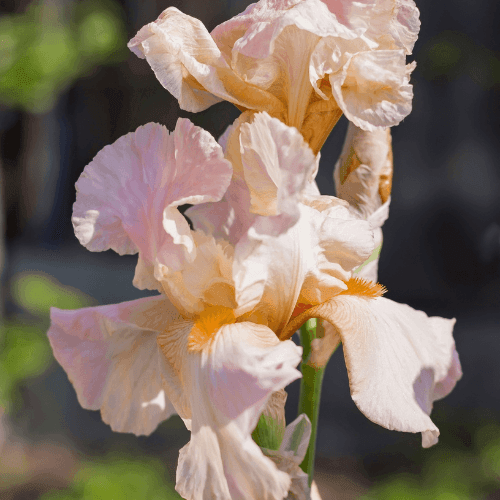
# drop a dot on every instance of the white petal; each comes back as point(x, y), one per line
point(230, 383)
point(127, 197)
point(396, 358)
point(112, 359)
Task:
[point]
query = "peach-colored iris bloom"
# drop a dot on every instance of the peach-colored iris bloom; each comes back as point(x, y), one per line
point(399, 360)
point(303, 61)
point(214, 345)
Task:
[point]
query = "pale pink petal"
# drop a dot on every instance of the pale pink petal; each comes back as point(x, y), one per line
point(276, 165)
point(177, 46)
point(369, 269)
point(342, 242)
point(363, 177)
point(373, 90)
point(363, 172)
point(311, 260)
point(233, 212)
point(270, 47)
point(290, 455)
point(389, 23)
point(394, 24)
point(264, 21)
point(446, 385)
point(127, 197)
point(398, 359)
point(207, 281)
point(212, 218)
point(351, 13)
point(112, 359)
point(405, 25)
point(219, 218)
point(229, 383)
point(188, 63)
point(272, 167)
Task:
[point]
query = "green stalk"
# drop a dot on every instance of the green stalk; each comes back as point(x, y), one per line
point(310, 392)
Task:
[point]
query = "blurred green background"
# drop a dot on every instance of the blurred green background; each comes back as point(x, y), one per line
point(69, 86)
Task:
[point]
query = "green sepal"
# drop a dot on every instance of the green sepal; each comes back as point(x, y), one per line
point(268, 433)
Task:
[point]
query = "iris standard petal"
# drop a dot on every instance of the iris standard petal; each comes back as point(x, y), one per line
point(127, 197)
point(309, 262)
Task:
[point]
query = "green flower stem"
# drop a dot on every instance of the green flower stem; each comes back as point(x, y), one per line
point(310, 392)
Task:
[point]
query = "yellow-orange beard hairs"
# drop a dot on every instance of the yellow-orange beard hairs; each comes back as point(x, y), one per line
point(355, 286)
point(207, 324)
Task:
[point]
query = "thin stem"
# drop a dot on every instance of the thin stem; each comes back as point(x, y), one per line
point(310, 392)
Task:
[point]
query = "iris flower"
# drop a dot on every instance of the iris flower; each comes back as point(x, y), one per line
point(302, 61)
point(214, 346)
point(399, 360)
point(208, 347)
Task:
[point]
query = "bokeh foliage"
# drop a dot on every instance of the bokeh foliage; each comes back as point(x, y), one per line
point(452, 54)
point(45, 49)
point(450, 472)
point(118, 478)
point(24, 348)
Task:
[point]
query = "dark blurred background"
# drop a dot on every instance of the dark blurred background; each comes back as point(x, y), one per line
point(69, 86)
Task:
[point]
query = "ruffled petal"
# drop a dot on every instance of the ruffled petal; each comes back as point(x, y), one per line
point(363, 177)
point(261, 24)
point(373, 90)
point(182, 54)
point(277, 164)
point(270, 46)
point(388, 23)
point(229, 383)
point(188, 63)
point(342, 241)
point(405, 24)
point(207, 281)
point(363, 173)
point(112, 359)
point(399, 360)
point(311, 260)
point(127, 197)
point(272, 167)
